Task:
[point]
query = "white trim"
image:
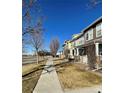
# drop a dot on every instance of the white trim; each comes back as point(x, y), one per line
point(98, 30)
point(97, 49)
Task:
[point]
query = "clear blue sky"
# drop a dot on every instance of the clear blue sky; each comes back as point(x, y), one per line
point(63, 18)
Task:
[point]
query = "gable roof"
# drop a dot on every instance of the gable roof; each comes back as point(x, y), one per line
point(94, 22)
point(85, 29)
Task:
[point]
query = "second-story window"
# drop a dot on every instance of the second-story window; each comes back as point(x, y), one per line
point(89, 34)
point(86, 36)
point(98, 30)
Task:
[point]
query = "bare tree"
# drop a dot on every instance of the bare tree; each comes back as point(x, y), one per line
point(26, 15)
point(28, 28)
point(36, 41)
point(54, 46)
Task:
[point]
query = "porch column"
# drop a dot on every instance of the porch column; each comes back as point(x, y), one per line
point(74, 52)
point(71, 52)
point(97, 55)
point(77, 51)
point(97, 49)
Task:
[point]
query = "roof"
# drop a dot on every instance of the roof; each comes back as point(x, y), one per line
point(83, 31)
point(75, 35)
point(98, 19)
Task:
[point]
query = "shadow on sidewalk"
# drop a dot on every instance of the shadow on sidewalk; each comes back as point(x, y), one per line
point(50, 68)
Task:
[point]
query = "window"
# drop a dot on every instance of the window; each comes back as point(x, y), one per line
point(86, 36)
point(82, 52)
point(98, 30)
point(80, 42)
point(100, 49)
point(89, 34)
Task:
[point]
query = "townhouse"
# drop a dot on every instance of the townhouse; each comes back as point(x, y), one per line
point(66, 48)
point(93, 43)
point(87, 45)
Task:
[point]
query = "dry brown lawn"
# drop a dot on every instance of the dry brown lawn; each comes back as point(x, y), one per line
point(58, 59)
point(72, 76)
point(31, 67)
point(28, 85)
point(31, 74)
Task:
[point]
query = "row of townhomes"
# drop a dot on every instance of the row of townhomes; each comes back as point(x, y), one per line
point(86, 46)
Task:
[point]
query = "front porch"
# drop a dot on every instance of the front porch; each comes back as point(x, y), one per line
point(90, 54)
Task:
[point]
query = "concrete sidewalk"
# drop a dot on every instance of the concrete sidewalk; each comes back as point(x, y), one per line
point(48, 81)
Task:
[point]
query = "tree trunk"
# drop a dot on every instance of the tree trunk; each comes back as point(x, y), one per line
point(37, 58)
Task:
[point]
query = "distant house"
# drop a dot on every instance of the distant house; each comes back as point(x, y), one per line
point(87, 45)
point(66, 47)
